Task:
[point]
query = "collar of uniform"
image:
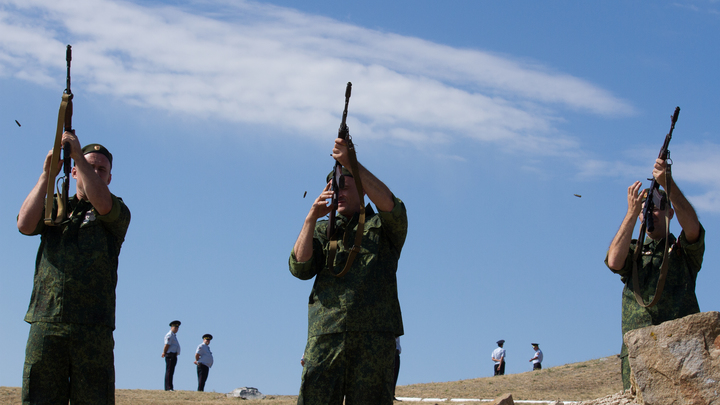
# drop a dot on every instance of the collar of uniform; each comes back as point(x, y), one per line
point(652, 244)
point(368, 211)
point(76, 203)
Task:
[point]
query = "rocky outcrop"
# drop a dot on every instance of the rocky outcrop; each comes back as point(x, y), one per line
point(677, 362)
point(503, 400)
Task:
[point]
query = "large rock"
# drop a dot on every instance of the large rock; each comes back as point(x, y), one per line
point(677, 362)
point(246, 393)
point(503, 400)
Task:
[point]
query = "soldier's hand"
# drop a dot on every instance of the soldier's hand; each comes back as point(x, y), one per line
point(75, 147)
point(635, 198)
point(48, 162)
point(340, 153)
point(321, 206)
point(659, 171)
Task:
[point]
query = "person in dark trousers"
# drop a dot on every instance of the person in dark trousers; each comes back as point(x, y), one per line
point(498, 356)
point(203, 360)
point(171, 350)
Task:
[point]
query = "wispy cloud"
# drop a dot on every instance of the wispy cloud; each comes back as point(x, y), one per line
point(699, 6)
point(250, 62)
point(702, 172)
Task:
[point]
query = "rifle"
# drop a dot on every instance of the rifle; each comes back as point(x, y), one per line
point(653, 191)
point(649, 223)
point(63, 183)
point(338, 182)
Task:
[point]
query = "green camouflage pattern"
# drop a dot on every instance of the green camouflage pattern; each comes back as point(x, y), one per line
point(76, 266)
point(366, 298)
point(69, 353)
point(358, 366)
point(68, 362)
point(678, 297)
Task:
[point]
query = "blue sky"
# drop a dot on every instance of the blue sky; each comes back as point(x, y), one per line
point(484, 117)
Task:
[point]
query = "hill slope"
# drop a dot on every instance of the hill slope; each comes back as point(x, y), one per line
point(572, 382)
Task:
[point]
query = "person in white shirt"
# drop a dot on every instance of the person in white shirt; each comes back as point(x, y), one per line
point(204, 360)
point(538, 358)
point(170, 352)
point(498, 356)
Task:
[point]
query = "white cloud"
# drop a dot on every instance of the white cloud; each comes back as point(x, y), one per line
point(253, 63)
point(698, 167)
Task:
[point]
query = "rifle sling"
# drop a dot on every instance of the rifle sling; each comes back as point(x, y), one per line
point(665, 263)
point(54, 170)
point(332, 249)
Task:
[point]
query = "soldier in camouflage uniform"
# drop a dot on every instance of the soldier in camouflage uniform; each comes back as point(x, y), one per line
point(69, 353)
point(685, 259)
point(352, 320)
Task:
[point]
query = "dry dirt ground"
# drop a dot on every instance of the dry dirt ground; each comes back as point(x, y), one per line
point(571, 382)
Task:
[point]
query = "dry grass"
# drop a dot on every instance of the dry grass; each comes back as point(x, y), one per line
point(571, 382)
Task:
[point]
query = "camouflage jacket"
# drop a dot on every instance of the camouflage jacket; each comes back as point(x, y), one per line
point(366, 298)
point(678, 297)
point(76, 266)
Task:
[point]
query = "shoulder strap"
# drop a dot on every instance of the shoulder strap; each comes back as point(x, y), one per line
point(332, 250)
point(663, 267)
point(50, 191)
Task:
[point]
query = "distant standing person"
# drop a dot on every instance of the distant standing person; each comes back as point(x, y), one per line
point(69, 353)
point(170, 352)
point(203, 360)
point(538, 358)
point(498, 356)
point(684, 259)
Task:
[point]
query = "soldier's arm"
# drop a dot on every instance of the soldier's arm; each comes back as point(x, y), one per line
point(686, 215)
point(303, 248)
point(375, 189)
point(620, 245)
point(31, 211)
point(95, 189)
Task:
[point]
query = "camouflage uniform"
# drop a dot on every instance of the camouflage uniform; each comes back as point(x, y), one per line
point(69, 353)
point(678, 297)
point(353, 320)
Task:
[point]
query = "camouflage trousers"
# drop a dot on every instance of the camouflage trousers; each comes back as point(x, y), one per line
point(69, 362)
point(625, 370)
point(358, 366)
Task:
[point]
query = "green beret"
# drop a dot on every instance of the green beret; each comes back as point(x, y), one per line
point(97, 148)
point(345, 172)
